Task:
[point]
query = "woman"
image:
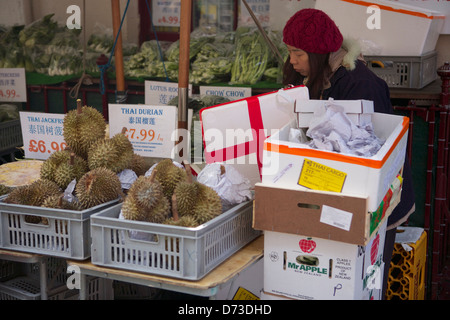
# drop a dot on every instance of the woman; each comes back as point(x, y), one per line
point(332, 67)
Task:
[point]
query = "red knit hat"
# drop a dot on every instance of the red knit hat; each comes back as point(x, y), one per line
point(312, 30)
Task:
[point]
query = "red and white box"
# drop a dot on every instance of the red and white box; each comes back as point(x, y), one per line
point(305, 268)
point(234, 132)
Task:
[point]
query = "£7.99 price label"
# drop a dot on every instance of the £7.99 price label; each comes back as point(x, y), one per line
point(150, 129)
point(42, 134)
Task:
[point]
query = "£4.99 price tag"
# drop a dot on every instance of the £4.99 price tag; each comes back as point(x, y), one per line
point(42, 134)
point(13, 85)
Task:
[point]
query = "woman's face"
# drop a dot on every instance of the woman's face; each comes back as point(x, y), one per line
point(299, 60)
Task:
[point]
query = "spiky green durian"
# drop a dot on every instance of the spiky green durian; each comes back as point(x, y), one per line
point(196, 200)
point(115, 153)
point(145, 201)
point(33, 194)
point(62, 167)
point(57, 201)
point(82, 128)
point(5, 189)
point(138, 164)
point(208, 206)
point(169, 175)
point(98, 186)
point(185, 221)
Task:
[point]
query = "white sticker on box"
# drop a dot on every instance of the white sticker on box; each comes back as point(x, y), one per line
point(335, 217)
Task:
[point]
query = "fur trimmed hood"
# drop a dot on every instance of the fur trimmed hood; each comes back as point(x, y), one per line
point(347, 55)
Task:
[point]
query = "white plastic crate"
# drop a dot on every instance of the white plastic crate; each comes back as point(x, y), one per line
point(412, 72)
point(66, 233)
point(179, 252)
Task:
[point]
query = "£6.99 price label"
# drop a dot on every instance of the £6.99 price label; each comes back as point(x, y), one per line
point(42, 134)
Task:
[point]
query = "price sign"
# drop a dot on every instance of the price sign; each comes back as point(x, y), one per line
point(231, 93)
point(13, 85)
point(42, 134)
point(166, 13)
point(160, 93)
point(149, 128)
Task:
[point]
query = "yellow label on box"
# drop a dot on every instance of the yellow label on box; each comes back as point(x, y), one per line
point(316, 176)
point(243, 294)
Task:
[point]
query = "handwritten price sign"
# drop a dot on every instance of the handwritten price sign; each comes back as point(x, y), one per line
point(42, 134)
point(166, 13)
point(13, 85)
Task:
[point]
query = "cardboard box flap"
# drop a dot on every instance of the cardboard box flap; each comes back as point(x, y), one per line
point(350, 106)
point(327, 215)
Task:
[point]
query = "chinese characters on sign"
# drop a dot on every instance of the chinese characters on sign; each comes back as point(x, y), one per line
point(13, 85)
point(42, 134)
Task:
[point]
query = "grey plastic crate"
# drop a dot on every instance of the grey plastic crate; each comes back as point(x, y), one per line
point(413, 72)
point(66, 233)
point(179, 252)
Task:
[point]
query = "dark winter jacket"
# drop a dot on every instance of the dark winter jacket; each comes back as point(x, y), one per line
point(359, 82)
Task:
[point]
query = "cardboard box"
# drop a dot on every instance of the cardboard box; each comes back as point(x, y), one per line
point(359, 111)
point(327, 215)
point(234, 132)
point(301, 267)
point(392, 28)
point(300, 167)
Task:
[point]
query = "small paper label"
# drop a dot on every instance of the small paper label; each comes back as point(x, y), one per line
point(316, 176)
point(337, 218)
point(244, 294)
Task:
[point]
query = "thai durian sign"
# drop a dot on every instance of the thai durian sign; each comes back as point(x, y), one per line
point(42, 134)
point(150, 128)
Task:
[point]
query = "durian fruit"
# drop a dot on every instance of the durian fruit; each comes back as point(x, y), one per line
point(33, 194)
point(5, 189)
point(138, 164)
point(62, 167)
point(208, 206)
point(169, 175)
point(187, 220)
point(82, 128)
point(115, 153)
point(196, 199)
point(57, 201)
point(98, 186)
point(146, 201)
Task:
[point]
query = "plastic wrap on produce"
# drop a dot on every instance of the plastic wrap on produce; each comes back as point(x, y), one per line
point(232, 187)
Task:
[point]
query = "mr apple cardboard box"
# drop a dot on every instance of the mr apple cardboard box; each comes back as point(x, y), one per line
point(234, 132)
point(327, 215)
point(301, 267)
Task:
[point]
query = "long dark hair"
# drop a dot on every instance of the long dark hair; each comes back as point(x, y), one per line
point(320, 70)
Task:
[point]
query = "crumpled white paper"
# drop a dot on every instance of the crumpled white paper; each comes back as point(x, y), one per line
point(332, 130)
point(232, 187)
point(127, 177)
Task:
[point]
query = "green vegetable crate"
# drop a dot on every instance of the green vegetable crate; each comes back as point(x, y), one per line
point(174, 251)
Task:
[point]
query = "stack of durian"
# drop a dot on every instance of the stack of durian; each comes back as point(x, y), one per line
point(167, 194)
point(84, 174)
